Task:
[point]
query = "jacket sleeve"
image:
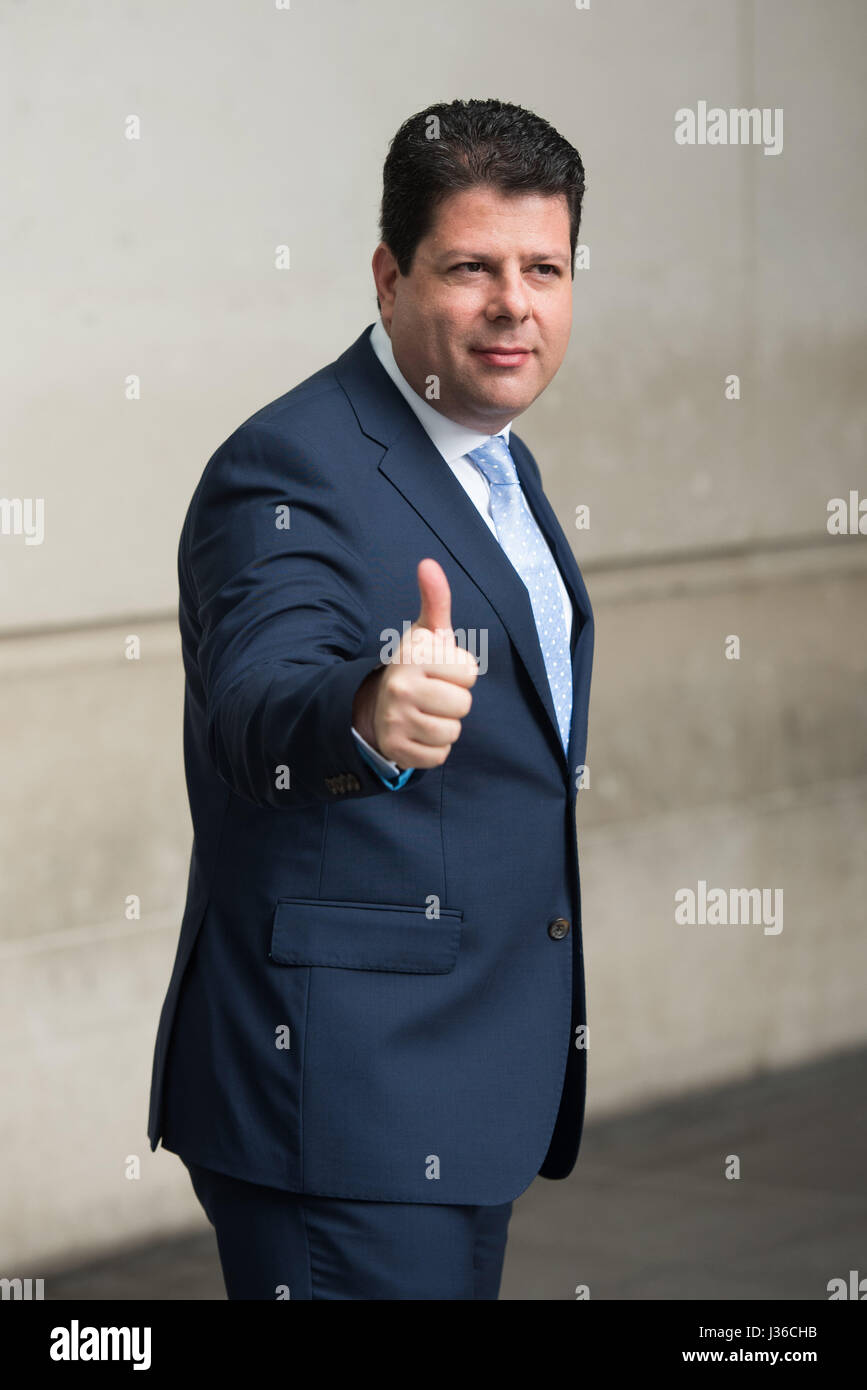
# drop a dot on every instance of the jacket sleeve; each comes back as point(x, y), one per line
point(271, 570)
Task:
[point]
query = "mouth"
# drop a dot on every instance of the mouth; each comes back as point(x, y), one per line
point(503, 355)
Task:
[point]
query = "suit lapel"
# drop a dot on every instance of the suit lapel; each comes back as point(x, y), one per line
point(419, 472)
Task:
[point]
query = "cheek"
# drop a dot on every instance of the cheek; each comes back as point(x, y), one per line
point(560, 331)
point(454, 335)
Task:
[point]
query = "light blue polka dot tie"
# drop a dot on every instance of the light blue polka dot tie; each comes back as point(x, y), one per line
point(523, 542)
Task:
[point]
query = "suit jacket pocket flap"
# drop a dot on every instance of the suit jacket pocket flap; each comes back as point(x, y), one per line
point(365, 936)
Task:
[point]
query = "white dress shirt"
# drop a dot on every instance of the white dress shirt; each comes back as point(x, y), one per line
point(453, 442)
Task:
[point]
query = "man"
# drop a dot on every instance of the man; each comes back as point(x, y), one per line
point(372, 1040)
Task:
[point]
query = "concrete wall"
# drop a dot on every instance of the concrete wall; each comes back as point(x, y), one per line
point(707, 515)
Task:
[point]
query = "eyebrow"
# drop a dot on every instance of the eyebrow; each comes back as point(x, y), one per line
point(537, 258)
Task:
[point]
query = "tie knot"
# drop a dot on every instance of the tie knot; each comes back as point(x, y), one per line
point(495, 461)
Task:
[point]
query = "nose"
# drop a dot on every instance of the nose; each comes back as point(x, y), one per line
point(509, 296)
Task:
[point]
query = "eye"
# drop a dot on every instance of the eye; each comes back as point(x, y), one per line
point(479, 265)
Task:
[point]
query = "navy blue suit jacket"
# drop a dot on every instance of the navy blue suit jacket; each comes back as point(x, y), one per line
point(366, 999)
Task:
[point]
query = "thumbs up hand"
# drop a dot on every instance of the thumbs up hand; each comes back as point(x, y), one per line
point(411, 709)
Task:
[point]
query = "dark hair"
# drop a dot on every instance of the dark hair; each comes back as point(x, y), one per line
point(473, 142)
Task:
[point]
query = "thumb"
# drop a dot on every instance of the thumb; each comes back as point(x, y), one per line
point(436, 597)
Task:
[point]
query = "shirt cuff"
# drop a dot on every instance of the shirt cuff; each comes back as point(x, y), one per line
point(388, 772)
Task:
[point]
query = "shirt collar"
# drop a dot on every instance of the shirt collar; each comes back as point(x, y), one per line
point(451, 439)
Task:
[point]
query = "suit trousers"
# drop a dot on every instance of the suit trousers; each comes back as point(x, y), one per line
point(275, 1244)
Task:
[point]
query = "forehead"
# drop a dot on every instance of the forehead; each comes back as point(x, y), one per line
point(485, 216)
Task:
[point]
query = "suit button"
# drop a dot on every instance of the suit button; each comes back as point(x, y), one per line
point(558, 928)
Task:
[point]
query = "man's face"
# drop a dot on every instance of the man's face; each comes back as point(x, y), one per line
point(493, 273)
